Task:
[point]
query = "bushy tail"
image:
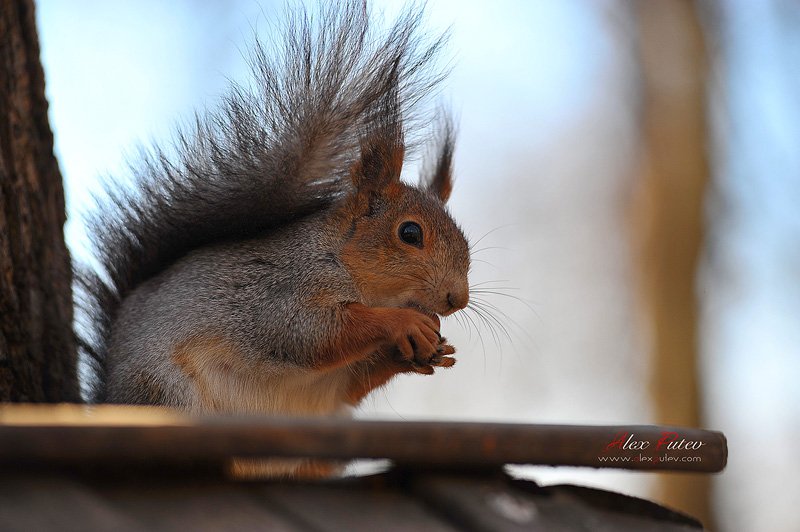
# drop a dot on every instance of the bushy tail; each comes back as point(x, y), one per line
point(277, 149)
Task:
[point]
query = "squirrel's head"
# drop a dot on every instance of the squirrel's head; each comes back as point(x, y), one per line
point(402, 247)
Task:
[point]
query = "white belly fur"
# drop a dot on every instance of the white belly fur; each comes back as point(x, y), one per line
point(221, 382)
point(290, 392)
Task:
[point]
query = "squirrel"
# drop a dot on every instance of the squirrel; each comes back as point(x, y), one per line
point(273, 261)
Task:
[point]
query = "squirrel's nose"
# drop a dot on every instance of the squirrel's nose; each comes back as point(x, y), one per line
point(457, 299)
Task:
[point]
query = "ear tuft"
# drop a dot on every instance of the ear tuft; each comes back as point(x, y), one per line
point(439, 178)
point(382, 147)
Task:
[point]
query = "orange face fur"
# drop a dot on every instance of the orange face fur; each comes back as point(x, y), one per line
point(430, 275)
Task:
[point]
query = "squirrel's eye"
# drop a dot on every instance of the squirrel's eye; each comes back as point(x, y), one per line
point(411, 233)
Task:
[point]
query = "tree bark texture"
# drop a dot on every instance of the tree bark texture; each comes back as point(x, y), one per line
point(37, 347)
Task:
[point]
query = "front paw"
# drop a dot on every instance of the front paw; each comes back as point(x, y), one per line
point(442, 359)
point(416, 337)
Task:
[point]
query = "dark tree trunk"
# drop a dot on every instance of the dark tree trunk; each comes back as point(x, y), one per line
point(37, 347)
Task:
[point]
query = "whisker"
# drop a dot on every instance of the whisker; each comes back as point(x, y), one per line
point(495, 292)
point(472, 244)
point(473, 286)
point(507, 318)
point(489, 310)
point(489, 325)
point(481, 261)
point(460, 320)
point(414, 278)
point(476, 251)
point(478, 332)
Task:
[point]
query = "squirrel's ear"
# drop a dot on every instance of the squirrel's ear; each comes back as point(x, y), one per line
point(381, 161)
point(439, 178)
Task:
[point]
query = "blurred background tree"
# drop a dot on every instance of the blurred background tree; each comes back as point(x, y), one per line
point(669, 220)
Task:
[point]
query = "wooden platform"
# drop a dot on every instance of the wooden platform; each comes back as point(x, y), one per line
point(81, 468)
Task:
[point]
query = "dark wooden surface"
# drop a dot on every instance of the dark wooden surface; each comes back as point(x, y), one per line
point(403, 501)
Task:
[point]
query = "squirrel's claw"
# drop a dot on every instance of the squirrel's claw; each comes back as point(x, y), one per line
point(441, 360)
point(422, 370)
point(436, 362)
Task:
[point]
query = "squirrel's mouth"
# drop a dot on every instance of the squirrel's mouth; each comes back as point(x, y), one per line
point(425, 310)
